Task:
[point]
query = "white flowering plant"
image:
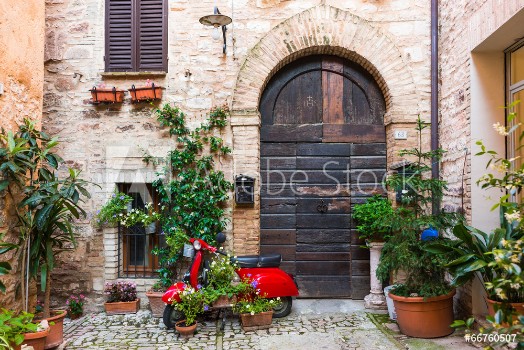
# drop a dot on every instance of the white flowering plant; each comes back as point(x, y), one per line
point(112, 212)
point(509, 264)
point(252, 301)
point(191, 304)
point(142, 217)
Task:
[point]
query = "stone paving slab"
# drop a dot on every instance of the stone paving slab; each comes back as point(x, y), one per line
point(334, 331)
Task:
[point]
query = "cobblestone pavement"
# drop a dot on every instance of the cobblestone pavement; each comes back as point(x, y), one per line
point(344, 331)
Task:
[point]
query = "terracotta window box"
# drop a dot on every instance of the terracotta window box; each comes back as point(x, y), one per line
point(106, 95)
point(255, 322)
point(145, 93)
point(123, 307)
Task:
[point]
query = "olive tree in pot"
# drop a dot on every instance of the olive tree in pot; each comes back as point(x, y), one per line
point(424, 302)
point(48, 200)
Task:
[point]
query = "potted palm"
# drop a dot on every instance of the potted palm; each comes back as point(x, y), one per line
point(46, 210)
point(424, 301)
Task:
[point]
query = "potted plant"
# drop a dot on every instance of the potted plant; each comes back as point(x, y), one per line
point(121, 298)
point(256, 311)
point(221, 288)
point(372, 218)
point(191, 304)
point(424, 301)
point(75, 306)
point(114, 210)
point(148, 92)
point(101, 93)
point(19, 329)
point(146, 217)
point(46, 209)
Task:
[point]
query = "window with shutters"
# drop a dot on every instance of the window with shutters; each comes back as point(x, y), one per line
point(136, 35)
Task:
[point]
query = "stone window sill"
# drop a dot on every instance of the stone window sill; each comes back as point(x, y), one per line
point(133, 74)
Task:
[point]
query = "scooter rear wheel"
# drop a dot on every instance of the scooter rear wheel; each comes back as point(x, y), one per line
point(171, 316)
point(284, 309)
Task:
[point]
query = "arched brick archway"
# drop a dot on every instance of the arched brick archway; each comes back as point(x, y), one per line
point(320, 30)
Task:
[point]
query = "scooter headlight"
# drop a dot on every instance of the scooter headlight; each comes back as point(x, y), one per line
point(197, 245)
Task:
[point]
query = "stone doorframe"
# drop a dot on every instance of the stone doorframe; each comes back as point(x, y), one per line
point(323, 30)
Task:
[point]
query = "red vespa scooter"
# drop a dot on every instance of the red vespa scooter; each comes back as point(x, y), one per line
point(272, 281)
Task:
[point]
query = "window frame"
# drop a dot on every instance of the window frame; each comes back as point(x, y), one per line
point(135, 39)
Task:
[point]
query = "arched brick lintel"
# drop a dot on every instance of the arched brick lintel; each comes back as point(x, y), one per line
point(325, 30)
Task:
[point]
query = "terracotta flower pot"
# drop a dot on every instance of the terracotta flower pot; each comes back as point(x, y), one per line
point(185, 331)
point(122, 307)
point(156, 304)
point(254, 322)
point(56, 329)
point(145, 93)
point(36, 340)
point(110, 95)
point(429, 318)
point(519, 307)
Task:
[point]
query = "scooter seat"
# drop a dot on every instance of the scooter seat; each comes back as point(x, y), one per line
point(265, 260)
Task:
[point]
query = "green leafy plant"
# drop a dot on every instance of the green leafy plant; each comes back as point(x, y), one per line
point(372, 218)
point(75, 304)
point(405, 251)
point(114, 210)
point(191, 189)
point(48, 200)
point(168, 258)
point(5, 267)
point(191, 304)
point(13, 326)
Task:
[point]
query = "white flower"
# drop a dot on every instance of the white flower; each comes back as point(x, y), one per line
point(512, 217)
point(252, 312)
point(500, 129)
point(515, 286)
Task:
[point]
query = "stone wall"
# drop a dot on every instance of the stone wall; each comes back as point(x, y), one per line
point(22, 77)
point(463, 27)
point(390, 38)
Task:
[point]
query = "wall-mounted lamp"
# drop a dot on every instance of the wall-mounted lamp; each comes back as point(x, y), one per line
point(217, 20)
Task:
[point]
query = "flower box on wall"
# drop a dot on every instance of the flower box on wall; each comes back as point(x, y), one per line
point(106, 95)
point(122, 307)
point(145, 93)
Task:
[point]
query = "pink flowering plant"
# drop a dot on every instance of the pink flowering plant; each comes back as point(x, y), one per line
point(75, 304)
point(120, 291)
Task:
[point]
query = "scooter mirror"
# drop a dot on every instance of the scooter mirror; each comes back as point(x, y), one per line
point(220, 237)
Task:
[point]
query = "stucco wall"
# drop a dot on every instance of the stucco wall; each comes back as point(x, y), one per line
point(22, 77)
point(104, 140)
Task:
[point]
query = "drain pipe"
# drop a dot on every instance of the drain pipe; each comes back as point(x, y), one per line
point(435, 171)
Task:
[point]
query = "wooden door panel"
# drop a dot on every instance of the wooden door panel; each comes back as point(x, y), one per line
point(353, 133)
point(278, 205)
point(315, 176)
point(323, 235)
point(322, 163)
point(321, 221)
point(305, 268)
point(334, 205)
point(325, 286)
point(324, 247)
point(278, 150)
point(321, 191)
point(291, 133)
point(278, 236)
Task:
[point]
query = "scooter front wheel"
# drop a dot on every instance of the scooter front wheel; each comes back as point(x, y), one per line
point(284, 309)
point(171, 316)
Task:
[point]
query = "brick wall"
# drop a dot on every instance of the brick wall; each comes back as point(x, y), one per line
point(389, 38)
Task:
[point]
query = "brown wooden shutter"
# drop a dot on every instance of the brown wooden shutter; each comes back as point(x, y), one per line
point(120, 36)
point(152, 44)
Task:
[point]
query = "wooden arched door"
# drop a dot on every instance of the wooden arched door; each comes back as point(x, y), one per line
point(322, 150)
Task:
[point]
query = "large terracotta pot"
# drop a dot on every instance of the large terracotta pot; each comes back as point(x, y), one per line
point(429, 318)
point(185, 331)
point(156, 304)
point(36, 340)
point(255, 322)
point(519, 307)
point(122, 307)
point(56, 329)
